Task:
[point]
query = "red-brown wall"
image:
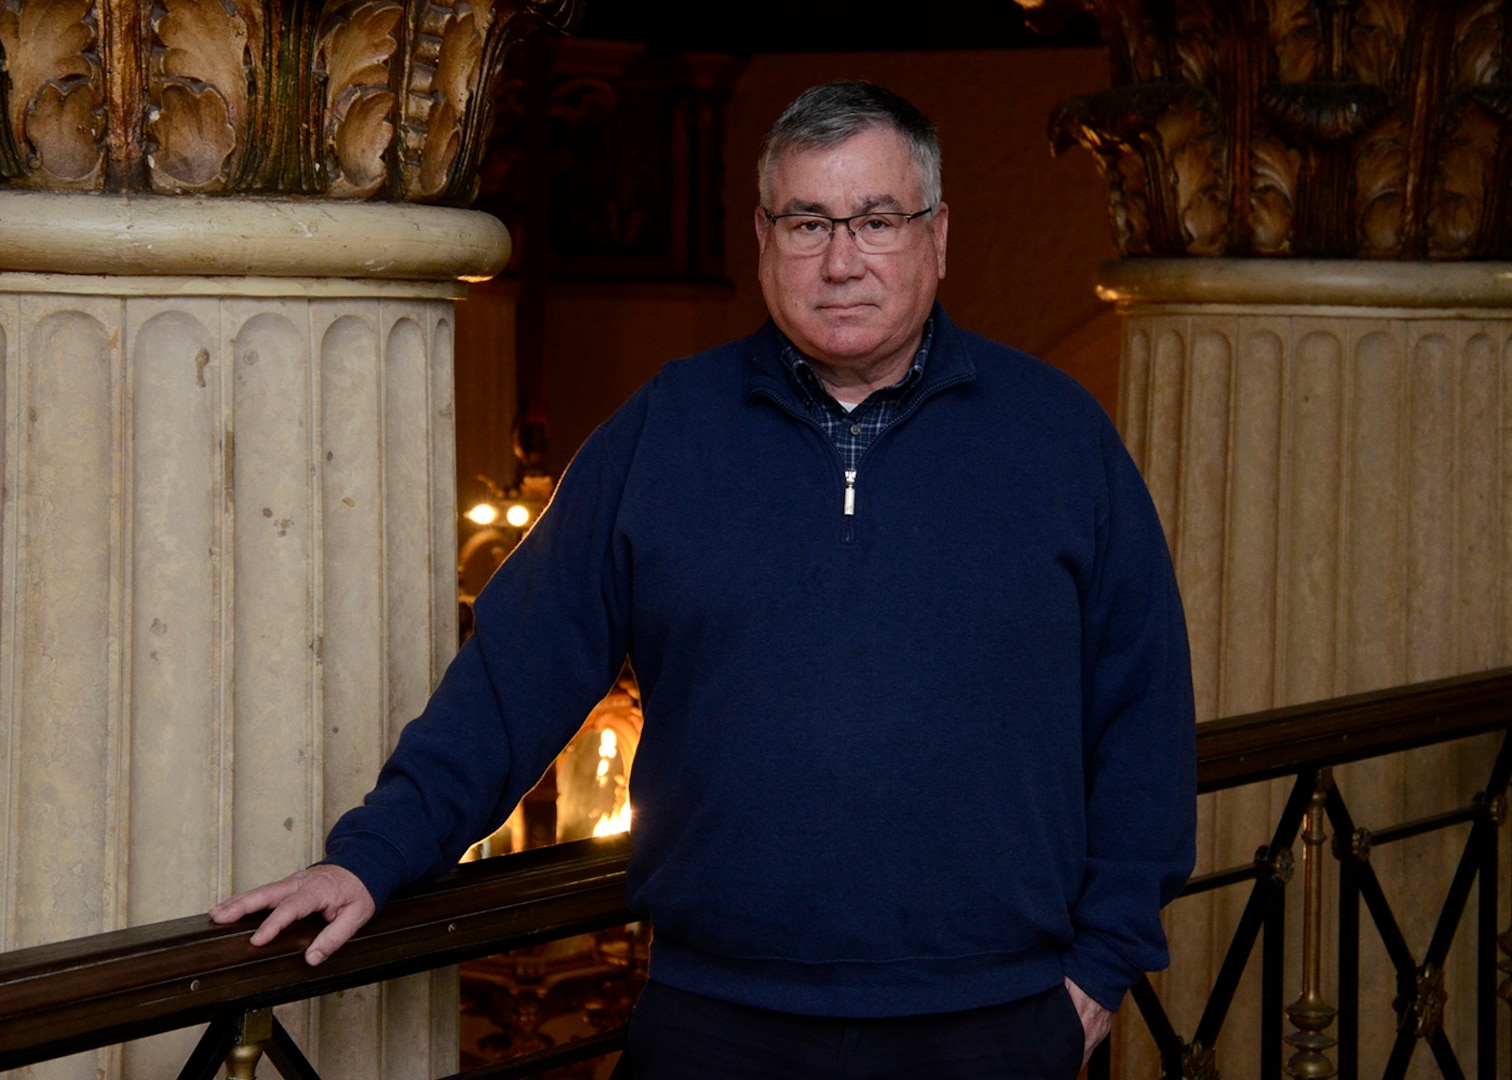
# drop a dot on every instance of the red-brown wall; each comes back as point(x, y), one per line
point(1028, 233)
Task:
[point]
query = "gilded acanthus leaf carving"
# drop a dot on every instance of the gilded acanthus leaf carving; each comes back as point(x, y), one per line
point(451, 83)
point(1377, 38)
point(1196, 43)
point(1274, 168)
point(55, 91)
point(1336, 129)
point(194, 137)
point(383, 99)
point(1131, 210)
point(1380, 186)
point(199, 92)
point(1188, 133)
point(1477, 48)
point(1295, 39)
point(359, 103)
point(1457, 203)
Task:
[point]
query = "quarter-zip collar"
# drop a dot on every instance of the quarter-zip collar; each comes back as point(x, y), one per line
point(939, 364)
point(948, 365)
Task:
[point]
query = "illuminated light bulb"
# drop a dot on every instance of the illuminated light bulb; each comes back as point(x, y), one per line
point(482, 514)
point(517, 515)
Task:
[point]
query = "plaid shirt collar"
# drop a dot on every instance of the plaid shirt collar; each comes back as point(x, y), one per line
point(852, 431)
point(816, 396)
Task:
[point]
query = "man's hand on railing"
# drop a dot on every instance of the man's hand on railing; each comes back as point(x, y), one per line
point(333, 891)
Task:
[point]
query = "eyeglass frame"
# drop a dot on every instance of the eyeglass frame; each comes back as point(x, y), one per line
point(836, 222)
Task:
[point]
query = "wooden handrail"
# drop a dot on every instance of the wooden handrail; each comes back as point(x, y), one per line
point(108, 988)
point(1258, 746)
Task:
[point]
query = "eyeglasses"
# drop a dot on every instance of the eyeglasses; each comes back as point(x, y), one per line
point(876, 232)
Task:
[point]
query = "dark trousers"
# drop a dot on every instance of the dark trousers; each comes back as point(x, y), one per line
point(675, 1035)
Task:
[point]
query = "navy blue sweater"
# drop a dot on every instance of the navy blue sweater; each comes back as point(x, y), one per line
point(927, 756)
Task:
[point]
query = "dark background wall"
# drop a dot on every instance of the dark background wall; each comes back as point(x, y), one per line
point(1028, 233)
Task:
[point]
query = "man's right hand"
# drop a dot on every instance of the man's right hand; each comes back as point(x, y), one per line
point(333, 891)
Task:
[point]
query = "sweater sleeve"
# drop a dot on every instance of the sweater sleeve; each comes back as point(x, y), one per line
point(1139, 739)
point(550, 636)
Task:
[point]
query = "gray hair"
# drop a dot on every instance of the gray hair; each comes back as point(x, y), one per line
point(827, 115)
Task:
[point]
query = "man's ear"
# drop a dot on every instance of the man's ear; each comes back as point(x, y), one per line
point(761, 231)
point(939, 229)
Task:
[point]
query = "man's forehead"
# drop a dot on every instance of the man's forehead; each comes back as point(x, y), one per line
point(871, 170)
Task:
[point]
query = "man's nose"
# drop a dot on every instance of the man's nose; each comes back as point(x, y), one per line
point(842, 259)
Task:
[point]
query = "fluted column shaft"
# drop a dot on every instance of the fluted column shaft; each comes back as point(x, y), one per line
point(227, 560)
point(1330, 448)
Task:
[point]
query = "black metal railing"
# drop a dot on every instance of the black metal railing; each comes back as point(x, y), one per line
point(90, 992)
point(1306, 743)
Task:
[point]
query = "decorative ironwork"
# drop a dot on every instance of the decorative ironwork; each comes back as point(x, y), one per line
point(1496, 810)
point(1199, 1062)
point(360, 99)
point(1311, 1014)
point(1280, 865)
point(1424, 1014)
point(1369, 129)
point(1359, 845)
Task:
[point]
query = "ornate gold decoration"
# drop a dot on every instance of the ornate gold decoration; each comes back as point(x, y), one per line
point(1496, 810)
point(1359, 845)
point(1329, 128)
point(1425, 1013)
point(1310, 1014)
point(252, 1030)
point(1280, 864)
point(1199, 1062)
point(355, 99)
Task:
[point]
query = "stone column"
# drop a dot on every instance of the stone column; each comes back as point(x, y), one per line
point(227, 551)
point(1335, 479)
point(1315, 383)
point(227, 495)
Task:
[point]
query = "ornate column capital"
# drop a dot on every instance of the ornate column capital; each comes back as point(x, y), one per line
point(346, 99)
point(1325, 128)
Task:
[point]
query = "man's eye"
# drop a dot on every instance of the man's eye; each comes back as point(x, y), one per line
point(808, 225)
point(878, 224)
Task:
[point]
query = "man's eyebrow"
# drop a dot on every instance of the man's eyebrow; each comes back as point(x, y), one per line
point(868, 204)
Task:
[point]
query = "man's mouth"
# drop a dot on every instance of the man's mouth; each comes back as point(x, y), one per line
point(842, 307)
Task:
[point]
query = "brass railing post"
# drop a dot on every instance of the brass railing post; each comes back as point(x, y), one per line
point(254, 1029)
point(1310, 1014)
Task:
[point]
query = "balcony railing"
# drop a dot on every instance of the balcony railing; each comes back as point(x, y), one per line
point(77, 995)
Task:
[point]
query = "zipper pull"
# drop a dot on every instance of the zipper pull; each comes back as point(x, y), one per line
point(850, 492)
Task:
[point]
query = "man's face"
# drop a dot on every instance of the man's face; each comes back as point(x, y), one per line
point(859, 315)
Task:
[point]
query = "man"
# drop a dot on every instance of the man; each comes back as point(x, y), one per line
point(917, 770)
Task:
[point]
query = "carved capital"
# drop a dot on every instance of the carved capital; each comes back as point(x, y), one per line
point(354, 99)
point(1370, 129)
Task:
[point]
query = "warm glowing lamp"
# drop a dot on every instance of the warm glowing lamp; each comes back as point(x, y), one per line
point(517, 515)
point(483, 514)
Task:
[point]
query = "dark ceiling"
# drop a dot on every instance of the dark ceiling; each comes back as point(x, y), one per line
point(746, 26)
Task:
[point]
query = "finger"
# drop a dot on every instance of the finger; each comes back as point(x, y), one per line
point(295, 907)
point(338, 932)
point(258, 899)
